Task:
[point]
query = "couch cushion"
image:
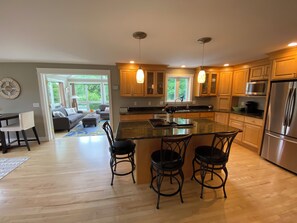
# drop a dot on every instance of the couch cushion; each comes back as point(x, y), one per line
point(60, 110)
point(75, 117)
point(58, 114)
point(70, 111)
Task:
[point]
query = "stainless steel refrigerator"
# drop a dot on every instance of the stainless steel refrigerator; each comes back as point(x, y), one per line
point(280, 137)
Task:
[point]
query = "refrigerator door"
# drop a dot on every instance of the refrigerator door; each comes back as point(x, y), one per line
point(280, 150)
point(278, 106)
point(292, 114)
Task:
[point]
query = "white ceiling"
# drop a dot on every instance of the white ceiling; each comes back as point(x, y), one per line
point(100, 31)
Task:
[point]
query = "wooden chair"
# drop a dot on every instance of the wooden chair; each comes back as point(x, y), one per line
point(25, 122)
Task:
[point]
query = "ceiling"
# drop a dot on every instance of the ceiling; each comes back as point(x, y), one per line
point(100, 31)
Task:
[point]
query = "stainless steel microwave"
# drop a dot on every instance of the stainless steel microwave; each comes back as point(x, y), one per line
point(256, 88)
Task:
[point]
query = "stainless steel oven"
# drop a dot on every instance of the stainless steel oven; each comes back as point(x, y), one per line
point(256, 88)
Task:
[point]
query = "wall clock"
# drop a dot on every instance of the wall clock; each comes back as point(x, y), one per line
point(9, 88)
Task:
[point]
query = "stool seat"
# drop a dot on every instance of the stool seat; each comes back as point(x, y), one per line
point(211, 155)
point(120, 152)
point(171, 160)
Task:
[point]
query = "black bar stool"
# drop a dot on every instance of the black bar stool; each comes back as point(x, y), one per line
point(213, 158)
point(120, 151)
point(168, 162)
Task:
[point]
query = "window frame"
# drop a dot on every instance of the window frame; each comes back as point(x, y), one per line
point(177, 77)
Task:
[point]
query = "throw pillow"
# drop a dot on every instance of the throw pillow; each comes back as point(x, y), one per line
point(106, 109)
point(70, 111)
point(58, 114)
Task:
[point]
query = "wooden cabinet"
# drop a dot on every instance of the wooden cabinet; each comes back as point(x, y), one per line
point(128, 84)
point(209, 88)
point(222, 117)
point(260, 72)
point(252, 132)
point(225, 83)
point(284, 67)
point(136, 117)
point(154, 84)
point(237, 121)
point(240, 78)
point(193, 115)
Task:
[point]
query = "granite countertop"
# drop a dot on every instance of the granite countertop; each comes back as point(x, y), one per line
point(184, 109)
point(144, 130)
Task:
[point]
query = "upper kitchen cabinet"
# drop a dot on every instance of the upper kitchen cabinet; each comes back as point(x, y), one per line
point(128, 85)
point(154, 84)
point(225, 83)
point(284, 65)
point(240, 78)
point(260, 72)
point(209, 88)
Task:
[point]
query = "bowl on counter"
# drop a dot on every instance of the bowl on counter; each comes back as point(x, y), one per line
point(237, 109)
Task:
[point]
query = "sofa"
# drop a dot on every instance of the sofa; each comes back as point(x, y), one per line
point(103, 111)
point(66, 118)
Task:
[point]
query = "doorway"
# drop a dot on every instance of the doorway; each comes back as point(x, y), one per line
point(70, 77)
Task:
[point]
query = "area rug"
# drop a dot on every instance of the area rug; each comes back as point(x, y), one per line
point(9, 164)
point(79, 130)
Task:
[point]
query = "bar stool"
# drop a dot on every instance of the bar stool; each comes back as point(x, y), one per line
point(168, 162)
point(213, 158)
point(120, 151)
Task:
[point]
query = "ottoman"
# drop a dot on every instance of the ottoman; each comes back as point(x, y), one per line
point(90, 119)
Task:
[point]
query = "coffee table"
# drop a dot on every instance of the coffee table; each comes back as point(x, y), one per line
point(90, 119)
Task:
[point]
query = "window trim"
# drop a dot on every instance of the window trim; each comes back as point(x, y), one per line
point(190, 90)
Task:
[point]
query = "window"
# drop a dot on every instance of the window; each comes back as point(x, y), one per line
point(54, 93)
point(90, 96)
point(179, 86)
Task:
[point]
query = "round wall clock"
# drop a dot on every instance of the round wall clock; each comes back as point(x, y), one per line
point(9, 88)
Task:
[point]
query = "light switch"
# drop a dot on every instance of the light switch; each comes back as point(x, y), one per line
point(35, 105)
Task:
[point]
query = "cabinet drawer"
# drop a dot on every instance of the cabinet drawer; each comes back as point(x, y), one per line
point(193, 115)
point(237, 117)
point(135, 117)
point(239, 125)
point(207, 115)
point(254, 121)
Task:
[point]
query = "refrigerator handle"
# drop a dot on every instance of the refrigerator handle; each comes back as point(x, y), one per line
point(277, 137)
point(292, 106)
point(287, 107)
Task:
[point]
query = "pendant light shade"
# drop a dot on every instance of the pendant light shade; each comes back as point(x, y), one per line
point(202, 74)
point(140, 76)
point(139, 73)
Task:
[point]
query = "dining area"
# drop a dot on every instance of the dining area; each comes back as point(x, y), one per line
point(13, 128)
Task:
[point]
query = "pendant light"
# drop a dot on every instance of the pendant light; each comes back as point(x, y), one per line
point(202, 74)
point(139, 73)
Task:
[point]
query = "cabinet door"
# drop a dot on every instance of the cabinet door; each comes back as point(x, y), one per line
point(240, 78)
point(222, 117)
point(213, 82)
point(224, 102)
point(205, 86)
point(284, 68)
point(136, 117)
point(251, 135)
point(125, 82)
point(257, 73)
point(225, 83)
point(236, 124)
point(160, 83)
point(207, 115)
point(149, 83)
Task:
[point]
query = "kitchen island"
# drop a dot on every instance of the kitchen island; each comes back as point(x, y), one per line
point(148, 140)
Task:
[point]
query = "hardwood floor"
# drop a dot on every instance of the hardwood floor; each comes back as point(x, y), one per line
point(68, 180)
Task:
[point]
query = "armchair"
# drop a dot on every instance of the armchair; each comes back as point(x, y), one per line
point(103, 111)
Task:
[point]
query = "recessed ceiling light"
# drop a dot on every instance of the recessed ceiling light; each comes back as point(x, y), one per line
point(132, 61)
point(292, 44)
point(183, 66)
point(226, 65)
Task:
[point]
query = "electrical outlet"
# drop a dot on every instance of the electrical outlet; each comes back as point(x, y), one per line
point(149, 103)
point(161, 102)
point(135, 103)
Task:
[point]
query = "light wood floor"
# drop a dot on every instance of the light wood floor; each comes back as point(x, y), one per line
point(68, 180)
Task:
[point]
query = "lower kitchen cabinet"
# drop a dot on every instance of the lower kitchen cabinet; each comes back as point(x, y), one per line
point(236, 121)
point(136, 117)
point(222, 117)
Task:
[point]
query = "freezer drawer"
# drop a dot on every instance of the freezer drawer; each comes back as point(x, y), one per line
point(280, 150)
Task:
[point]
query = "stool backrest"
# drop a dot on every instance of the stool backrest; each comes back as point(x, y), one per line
point(223, 142)
point(26, 120)
point(175, 144)
point(108, 130)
